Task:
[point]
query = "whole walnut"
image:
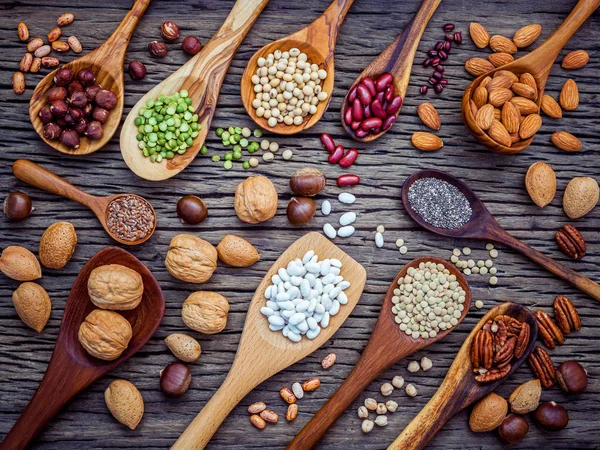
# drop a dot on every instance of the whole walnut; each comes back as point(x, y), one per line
point(105, 334)
point(255, 199)
point(191, 259)
point(115, 287)
point(205, 312)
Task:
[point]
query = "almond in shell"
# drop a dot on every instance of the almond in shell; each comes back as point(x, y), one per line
point(57, 245)
point(19, 264)
point(125, 403)
point(499, 134)
point(478, 66)
point(479, 35)
point(426, 141)
point(184, 347)
point(566, 141)
point(526, 397)
point(569, 95)
point(575, 60)
point(237, 252)
point(429, 116)
point(540, 182)
point(502, 44)
point(550, 107)
point(33, 305)
point(530, 125)
point(527, 35)
point(580, 197)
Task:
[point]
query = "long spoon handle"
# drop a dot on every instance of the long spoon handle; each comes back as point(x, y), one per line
point(333, 17)
point(118, 41)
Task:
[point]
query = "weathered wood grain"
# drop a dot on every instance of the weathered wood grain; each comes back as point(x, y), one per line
point(383, 165)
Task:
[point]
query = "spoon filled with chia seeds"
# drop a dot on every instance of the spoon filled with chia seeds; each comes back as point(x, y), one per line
point(445, 205)
point(128, 218)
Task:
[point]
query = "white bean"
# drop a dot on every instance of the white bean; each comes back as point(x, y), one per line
point(346, 231)
point(346, 197)
point(329, 231)
point(326, 207)
point(347, 218)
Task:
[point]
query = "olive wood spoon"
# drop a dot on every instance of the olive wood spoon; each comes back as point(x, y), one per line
point(397, 59)
point(202, 76)
point(483, 226)
point(539, 64)
point(318, 41)
point(387, 345)
point(41, 178)
point(460, 389)
point(262, 353)
point(71, 369)
point(107, 63)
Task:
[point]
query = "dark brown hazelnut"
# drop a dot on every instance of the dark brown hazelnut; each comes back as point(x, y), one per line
point(63, 76)
point(550, 416)
point(86, 76)
point(106, 99)
point(59, 108)
point(88, 110)
point(76, 114)
point(75, 86)
point(52, 131)
point(169, 30)
point(513, 428)
point(100, 114)
point(17, 206)
point(94, 130)
point(157, 48)
point(191, 209)
point(70, 138)
point(56, 93)
point(300, 210)
point(191, 45)
point(81, 126)
point(572, 377)
point(45, 114)
point(61, 123)
point(78, 99)
point(92, 91)
point(137, 70)
point(69, 119)
point(308, 182)
point(175, 379)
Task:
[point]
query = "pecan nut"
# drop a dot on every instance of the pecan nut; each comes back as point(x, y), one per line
point(566, 315)
point(513, 325)
point(505, 354)
point(482, 352)
point(522, 340)
point(500, 331)
point(571, 242)
point(549, 331)
point(542, 367)
point(493, 374)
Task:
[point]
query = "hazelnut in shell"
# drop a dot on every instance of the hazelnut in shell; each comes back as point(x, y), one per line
point(550, 416)
point(513, 429)
point(256, 200)
point(301, 210)
point(572, 377)
point(191, 209)
point(17, 206)
point(175, 379)
point(307, 182)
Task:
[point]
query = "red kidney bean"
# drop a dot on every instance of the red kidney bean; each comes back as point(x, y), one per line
point(458, 37)
point(368, 112)
point(424, 89)
point(394, 105)
point(383, 81)
point(349, 158)
point(360, 133)
point(370, 123)
point(427, 62)
point(447, 46)
point(348, 116)
point(352, 94)
point(432, 53)
point(355, 125)
point(368, 82)
point(380, 96)
point(435, 61)
point(378, 110)
point(438, 88)
point(432, 81)
point(363, 94)
point(443, 82)
point(439, 68)
point(357, 110)
point(448, 27)
point(439, 45)
point(388, 122)
point(443, 55)
point(327, 142)
point(336, 155)
point(348, 179)
point(437, 75)
point(389, 93)
point(376, 130)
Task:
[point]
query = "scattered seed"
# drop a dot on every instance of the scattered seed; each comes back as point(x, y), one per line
point(371, 404)
point(404, 250)
point(454, 259)
point(363, 412)
point(380, 229)
point(493, 271)
point(381, 408)
point(483, 271)
point(478, 304)
point(398, 382)
point(489, 263)
point(386, 389)
point(411, 390)
point(391, 406)
point(467, 271)
point(399, 242)
point(426, 363)
point(268, 156)
point(489, 246)
point(253, 162)
point(264, 144)
point(456, 252)
point(287, 154)
point(367, 426)
point(493, 281)
point(413, 366)
point(493, 253)
point(381, 420)
point(466, 251)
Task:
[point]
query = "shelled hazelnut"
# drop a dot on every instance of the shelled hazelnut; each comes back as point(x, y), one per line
point(137, 70)
point(169, 30)
point(191, 45)
point(157, 48)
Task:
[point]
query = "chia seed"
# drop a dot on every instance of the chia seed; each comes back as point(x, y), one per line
point(439, 203)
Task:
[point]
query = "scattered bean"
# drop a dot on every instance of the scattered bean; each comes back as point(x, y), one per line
point(413, 366)
point(381, 408)
point(411, 390)
point(363, 412)
point(257, 407)
point(346, 198)
point(381, 420)
point(346, 231)
point(329, 361)
point(348, 180)
point(258, 421)
point(297, 390)
point(391, 406)
point(398, 382)
point(426, 363)
point(269, 416)
point(329, 231)
point(367, 426)
point(292, 412)
point(371, 404)
point(311, 384)
point(287, 395)
point(379, 239)
point(386, 389)
point(326, 207)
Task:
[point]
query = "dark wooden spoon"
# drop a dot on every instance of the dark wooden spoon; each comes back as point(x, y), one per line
point(482, 225)
point(460, 389)
point(387, 345)
point(71, 368)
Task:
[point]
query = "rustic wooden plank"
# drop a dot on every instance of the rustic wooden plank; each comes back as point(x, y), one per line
point(383, 165)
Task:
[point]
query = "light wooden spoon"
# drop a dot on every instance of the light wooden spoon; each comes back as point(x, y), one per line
point(397, 59)
point(41, 178)
point(460, 389)
point(107, 63)
point(262, 353)
point(202, 76)
point(318, 42)
point(539, 64)
point(387, 345)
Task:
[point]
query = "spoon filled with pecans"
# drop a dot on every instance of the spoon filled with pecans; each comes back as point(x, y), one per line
point(128, 218)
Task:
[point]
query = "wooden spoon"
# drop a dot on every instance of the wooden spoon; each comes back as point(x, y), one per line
point(202, 76)
point(262, 353)
point(387, 345)
point(482, 225)
point(318, 42)
point(41, 178)
point(397, 59)
point(538, 63)
point(107, 63)
point(71, 368)
point(460, 389)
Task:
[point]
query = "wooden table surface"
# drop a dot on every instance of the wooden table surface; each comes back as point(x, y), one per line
point(382, 165)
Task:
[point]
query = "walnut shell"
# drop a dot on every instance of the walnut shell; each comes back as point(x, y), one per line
point(57, 245)
point(33, 305)
point(19, 264)
point(105, 334)
point(488, 413)
point(115, 287)
point(191, 259)
point(184, 347)
point(255, 199)
point(206, 312)
point(237, 252)
point(124, 402)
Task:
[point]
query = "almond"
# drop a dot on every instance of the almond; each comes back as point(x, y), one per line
point(524, 90)
point(506, 73)
point(551, 107)
point(485, 81)
point(499, 134)
point(580, 197)
point(499, 82)
point(499, 96)
point(125, 403)
point(473, 108)
point(498, 114)
point(426, 141)
point(511, 117)
point(485, 117)
point(566, 141)
point(478, 66)
point(19, 264)
point(575, 60)
point(525, 105)
point(500, 59)
point(57, 245)
point(526, 397)
point(527, 35)
point(237, 252)
point(184, 347)
point(530, 126)
point(429, 116)
point(540, 182)
point(479, 35)
point(569, 95)
point(502, 44)
point(529, 80)
point(33, 305)
point(480, 96)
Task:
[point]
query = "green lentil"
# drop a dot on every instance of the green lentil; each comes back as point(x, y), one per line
point(258, 133)
point(246, 165)
point(216, 158)
point(227, 165)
